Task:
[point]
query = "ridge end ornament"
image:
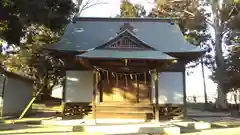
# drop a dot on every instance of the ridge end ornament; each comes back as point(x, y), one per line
point(127, 26)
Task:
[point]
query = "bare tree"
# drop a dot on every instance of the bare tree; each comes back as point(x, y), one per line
point(86, 4)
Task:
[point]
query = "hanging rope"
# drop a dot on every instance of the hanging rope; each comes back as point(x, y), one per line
point(99, 76)
point(117, 75)
point(145, 78)
point(108, 78)
point(126, 84)
point(105, 70)
point(113, 75)
point(117, 80)
point(131, 76)
point(136, 79)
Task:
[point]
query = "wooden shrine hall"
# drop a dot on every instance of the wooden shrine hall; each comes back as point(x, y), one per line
point(124, 68)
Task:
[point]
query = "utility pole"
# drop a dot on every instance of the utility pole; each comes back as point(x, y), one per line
point(204, 83)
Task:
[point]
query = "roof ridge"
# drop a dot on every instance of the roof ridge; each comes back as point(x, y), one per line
point(125, 19)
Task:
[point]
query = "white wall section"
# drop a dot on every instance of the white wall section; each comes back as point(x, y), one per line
point(79, 86)
point(170, 88)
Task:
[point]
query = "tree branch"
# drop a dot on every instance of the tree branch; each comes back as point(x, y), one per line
point(210, 23)
point(89, 4)
point(193, 65)
point(190, 13)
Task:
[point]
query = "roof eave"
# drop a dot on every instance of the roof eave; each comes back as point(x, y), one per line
point(188, 56)
point(110, 58)
point(103, 56)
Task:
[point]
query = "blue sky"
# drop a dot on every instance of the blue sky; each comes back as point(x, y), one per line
point(194, 80)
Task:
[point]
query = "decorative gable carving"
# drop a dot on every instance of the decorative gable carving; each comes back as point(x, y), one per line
point(125, 43)
point(126, 26)
point(125, 39)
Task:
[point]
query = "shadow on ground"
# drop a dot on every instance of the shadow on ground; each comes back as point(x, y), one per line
point(8, 129)
point(188, 129)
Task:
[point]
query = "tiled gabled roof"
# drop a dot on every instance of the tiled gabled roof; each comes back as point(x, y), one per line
point(89, 33)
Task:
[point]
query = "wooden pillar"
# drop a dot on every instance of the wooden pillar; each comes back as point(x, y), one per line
point(138, 98)
point(94, 95)
point(156, 78)
point(100, 87)
point(184, 93)
point(95, 91)
point(64, 92)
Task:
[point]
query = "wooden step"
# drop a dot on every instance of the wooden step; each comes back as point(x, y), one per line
point(126, 107)
point(103, 115)
point(124, 104)
point(125, 110)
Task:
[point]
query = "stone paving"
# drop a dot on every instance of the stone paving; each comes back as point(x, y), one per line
point(201, 113)
point(216, 118)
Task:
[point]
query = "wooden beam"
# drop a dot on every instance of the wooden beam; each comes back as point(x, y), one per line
point(130, 64)
point(85, 63)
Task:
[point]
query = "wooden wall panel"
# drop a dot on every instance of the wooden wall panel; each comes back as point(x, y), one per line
point(144, 91)
point(122, 92)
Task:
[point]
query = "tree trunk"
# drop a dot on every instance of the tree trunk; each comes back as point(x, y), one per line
point(47, 91)
point(221, 102)
point(218, 27)
point(46, 94)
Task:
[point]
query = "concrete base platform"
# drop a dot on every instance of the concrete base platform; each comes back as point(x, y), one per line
point(114, 126)
point(130, 129)
point(194, 125)
point(202, 125)
point(59, 121)
point(117, 126)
